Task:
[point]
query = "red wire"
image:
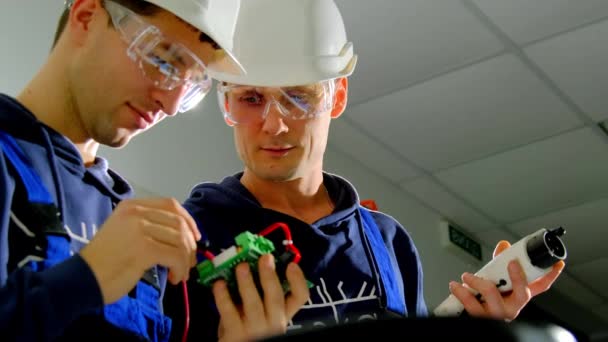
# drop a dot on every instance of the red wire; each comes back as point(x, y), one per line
point(209, 256)
point(187, 306)
point(295, 251)
point(276, 225)
point(289, 242)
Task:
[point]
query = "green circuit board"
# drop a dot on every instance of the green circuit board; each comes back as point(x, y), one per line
point(249, 247)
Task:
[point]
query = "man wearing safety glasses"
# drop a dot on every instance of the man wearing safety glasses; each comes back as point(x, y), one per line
point(363, 264)
point(79, 259)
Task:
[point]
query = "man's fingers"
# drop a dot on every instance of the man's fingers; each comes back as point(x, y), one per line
point(253, 307)
point(468, 299)
point(189, 220)
point(299, 292)
point(162, 234)
point(489, 293)
point(172, 221)
point(176, 259)
point(166, 204)
point(500, 247)
point(158, 219)
point(544, 283)
point(181, 241)
point(274, 298)
point(225, 305)
point(521, 293)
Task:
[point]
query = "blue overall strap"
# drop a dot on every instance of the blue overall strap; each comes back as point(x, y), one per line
point(36, 191)
point(394, 300)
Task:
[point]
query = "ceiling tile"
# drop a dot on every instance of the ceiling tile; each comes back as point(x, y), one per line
point(402, 42)
point(585, 225)
point(539, 178)
point(450, 207)
point(602, 311)
point(525, 21)
point(465, 115)
point(574, 290)
point(594, 274)
point(351, 140)
point(577, 63)
point(491, 237)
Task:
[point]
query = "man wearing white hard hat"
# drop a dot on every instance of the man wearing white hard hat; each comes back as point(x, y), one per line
point(363, 264)
point(79, 259)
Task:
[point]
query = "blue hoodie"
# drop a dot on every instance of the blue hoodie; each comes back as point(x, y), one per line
point(335, 257)
point(60, 299)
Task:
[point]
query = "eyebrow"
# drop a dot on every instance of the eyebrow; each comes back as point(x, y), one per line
point(309, 89)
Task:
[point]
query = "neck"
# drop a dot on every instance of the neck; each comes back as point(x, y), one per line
point(304, 198)
point(48, 97)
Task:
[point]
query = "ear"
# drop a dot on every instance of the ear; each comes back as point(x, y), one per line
point(83, 14)
point(340, 97)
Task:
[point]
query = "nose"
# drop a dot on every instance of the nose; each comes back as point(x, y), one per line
point(169, 100)
point(274, 120)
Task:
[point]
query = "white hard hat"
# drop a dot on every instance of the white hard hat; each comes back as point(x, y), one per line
point(289, 42)
point(216, 18)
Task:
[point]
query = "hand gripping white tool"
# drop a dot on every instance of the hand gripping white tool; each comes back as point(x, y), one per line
point(536, 253)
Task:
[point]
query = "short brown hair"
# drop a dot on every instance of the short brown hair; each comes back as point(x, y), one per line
point(141, 7)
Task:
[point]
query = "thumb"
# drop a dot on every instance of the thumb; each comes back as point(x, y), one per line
point(500, 247)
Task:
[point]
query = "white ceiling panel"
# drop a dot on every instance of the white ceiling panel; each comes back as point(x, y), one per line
point(602, 311)
point(350, 140)
point(452, 208)
point(577, 63)
point(525, 21)
point(491, 237)
point(594, 274)
point(573, 289)
point(441, 123)
point(585, 225)
point(402, 42)
point(539, 178)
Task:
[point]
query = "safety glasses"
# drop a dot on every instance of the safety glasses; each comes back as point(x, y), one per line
point(243, 104)
point(166, 63)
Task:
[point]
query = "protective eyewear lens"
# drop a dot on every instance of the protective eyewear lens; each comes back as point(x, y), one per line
point(245, 104)
point(167, 64)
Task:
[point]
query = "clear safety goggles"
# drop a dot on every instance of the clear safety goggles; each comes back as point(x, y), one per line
point(244, 104)
point(166, 63)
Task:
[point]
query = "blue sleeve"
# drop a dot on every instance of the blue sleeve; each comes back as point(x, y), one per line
point(39, 306)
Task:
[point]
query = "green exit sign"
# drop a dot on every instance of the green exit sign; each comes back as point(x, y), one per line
point(454, 237)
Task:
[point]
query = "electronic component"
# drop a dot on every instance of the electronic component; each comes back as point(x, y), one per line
point(248, 248)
